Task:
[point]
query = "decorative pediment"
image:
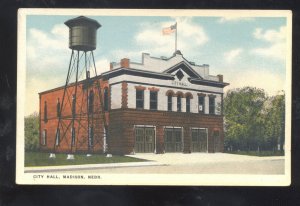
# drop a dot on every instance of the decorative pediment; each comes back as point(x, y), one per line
point(183, 66)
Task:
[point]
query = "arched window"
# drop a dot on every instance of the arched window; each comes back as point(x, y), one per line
point(170, 94)
point(188, 97)
point(44, 137)
point(73, 105)
point(91, 136)
point(45, 112)
point(179, 99)
point(58, 108)
point(170, 102)
point(73, 135)
point(91, 102)
point(188, 104)
point(57, 137)
point(106, 99)
point(178, 103)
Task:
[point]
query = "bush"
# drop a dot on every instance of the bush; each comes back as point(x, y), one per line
point(32, 132)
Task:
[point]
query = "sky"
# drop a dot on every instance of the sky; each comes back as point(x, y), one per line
point(248, 51)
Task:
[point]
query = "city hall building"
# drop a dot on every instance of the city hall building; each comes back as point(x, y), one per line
point(159, 105)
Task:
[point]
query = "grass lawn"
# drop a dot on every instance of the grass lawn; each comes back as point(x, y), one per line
point(42, 159)
point(256, 153)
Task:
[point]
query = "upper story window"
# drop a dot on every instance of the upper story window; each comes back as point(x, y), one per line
point(212, 105)
point(106, 99)
point(45, 112)
point(140, 99)
point(188, 104)
point(153, 100)
point(170, 102)
point(188, 97)
point(58, 108)
point(179, 103)
point(201, 104)
point(179, 99)
point(170, 95)
point(91, 102)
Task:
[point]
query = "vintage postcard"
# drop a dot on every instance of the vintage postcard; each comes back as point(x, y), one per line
point(154, 97)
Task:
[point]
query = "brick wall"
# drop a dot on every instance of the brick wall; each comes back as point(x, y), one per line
point(80, 124)
point(121, 139)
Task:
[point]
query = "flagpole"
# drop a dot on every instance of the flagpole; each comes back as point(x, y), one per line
point(176, 37)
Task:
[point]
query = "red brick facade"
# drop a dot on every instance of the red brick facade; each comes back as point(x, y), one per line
point(49, 121)
point(122, 122)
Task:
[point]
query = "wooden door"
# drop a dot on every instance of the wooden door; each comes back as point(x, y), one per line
point(173, 140)
point(199, 140)
point(149, 139)
point(144, 139)
point(139, 139)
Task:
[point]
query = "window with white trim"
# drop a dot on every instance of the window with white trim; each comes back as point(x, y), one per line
point(201, 104)
point(153, 100)
point(212, 105)
point(170, 102)
point(179, 103)
point(140, 99)
point(188, 104)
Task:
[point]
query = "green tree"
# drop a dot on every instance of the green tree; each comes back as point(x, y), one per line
point(32, 132)
point(275, 121)
point(243, 118)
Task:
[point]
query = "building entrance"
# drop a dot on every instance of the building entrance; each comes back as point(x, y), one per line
point(199, 140)
point(173, 140)
point(144, 139)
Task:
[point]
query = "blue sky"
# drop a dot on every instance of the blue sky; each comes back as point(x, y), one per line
point(248, 51)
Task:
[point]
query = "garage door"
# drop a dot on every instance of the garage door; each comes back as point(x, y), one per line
point(173, 140)
point(199, 140)
point(144, 139)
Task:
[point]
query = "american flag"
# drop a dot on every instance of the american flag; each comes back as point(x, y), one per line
point(169, 30)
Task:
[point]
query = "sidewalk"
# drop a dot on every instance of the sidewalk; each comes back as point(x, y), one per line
point(202, 158)
point(193, 161)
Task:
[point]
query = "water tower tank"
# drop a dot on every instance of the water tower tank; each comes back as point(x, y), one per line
point(82, 33)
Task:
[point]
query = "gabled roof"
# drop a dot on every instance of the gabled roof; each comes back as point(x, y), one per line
point(136, 72)
point(186, 68)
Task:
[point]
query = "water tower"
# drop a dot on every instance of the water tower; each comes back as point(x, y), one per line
point(78, 118)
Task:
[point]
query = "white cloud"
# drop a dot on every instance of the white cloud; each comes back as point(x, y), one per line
point(34, 86)
point(47, 51)
point(190, 37)
point(234, 19)
point(102, 65)
point(276, 40)
point(47, 63)
point(232, 55)
point(265, 79)
point(119, 54)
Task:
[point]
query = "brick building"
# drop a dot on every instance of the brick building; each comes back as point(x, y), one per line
point(159, 105)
